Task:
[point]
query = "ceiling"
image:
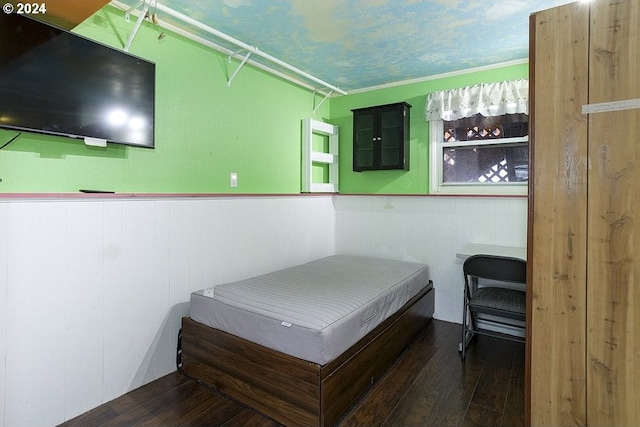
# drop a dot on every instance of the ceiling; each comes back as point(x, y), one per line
point(358, 44)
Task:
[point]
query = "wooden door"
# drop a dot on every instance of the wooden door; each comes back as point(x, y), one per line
point(613, 285)
point(556, 293)
point(583, 350)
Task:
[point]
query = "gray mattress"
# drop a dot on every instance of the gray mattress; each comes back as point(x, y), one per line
point(314, 311)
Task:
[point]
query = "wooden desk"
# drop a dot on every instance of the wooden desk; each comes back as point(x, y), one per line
point(480, 248)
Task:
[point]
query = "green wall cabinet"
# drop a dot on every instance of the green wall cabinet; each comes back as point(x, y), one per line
point(381, 137)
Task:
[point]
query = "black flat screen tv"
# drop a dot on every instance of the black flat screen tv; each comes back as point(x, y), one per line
point(56, 82)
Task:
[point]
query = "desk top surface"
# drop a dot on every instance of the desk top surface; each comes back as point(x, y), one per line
point(481, 248)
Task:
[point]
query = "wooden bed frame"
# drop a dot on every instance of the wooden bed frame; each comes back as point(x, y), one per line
point(292, 391)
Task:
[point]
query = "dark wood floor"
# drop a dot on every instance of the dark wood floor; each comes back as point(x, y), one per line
point(428, 386)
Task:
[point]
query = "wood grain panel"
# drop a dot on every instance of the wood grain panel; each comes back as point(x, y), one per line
point(613, 374)
point(252, 374)
point(557, 219)
point(68, 14)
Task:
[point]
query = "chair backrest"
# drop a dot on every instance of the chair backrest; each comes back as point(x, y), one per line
point(493, 267)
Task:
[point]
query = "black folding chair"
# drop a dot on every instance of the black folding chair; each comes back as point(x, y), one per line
point(502, 304)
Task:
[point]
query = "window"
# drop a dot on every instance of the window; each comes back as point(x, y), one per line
point(484, 150)
point(479, 139)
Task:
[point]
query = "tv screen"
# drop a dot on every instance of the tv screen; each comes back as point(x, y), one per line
point(56, 82)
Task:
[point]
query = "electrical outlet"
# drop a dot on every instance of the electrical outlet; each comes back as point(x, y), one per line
point(233, 179)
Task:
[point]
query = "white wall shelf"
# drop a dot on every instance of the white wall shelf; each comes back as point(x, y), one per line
point(311, 157)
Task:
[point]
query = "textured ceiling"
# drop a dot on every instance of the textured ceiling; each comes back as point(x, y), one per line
point(356, 44)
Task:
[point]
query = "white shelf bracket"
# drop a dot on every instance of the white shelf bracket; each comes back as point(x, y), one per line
point(235, 73)
point(233, 54)
point(292, 74)
point(315, 107)
point(127, 14)
point(138, 24)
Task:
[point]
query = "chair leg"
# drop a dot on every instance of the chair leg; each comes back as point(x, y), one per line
point(462, 347)
point(473, 321)
point(468, 332)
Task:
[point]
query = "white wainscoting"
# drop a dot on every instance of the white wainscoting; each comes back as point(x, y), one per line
point(93, 290)
point(430, 230)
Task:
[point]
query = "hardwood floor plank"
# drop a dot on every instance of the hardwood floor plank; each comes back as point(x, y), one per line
point(428, 386)
point(442, 390)
point(478, 416)
point(250, 418)
point(219, 414)
point(380, 402)
point(134, 398)
point(153, 410)
point(492, 387)
point(202, 405)
point(172, 400)
point(96, 417)
point(513, 413)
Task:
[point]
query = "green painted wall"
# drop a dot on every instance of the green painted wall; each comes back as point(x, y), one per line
point(204, 129)
point(416, 180)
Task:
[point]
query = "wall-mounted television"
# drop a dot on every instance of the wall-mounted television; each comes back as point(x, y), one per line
point(56, 82)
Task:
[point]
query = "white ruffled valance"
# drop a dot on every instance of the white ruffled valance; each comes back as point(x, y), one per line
point(488, 99)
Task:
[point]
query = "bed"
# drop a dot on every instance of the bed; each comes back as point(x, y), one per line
point(301, 344)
